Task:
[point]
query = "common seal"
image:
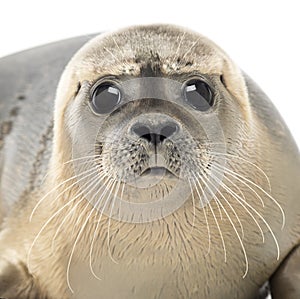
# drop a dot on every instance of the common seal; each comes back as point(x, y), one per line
point(166, 173)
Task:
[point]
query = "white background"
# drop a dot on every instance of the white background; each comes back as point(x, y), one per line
point(261, 36)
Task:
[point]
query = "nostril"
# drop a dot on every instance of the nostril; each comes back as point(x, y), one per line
point(161, 138)
point(141, 130)
point(168, 130)
point(146, 133)
point(149, 137)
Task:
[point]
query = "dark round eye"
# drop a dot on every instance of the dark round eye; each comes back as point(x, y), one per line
point(105, 98)
point(198, 94)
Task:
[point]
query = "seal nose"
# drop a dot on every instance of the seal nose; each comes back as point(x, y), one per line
point(155, 135)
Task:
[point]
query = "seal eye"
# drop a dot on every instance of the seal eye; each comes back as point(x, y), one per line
point(105, 97)
point(198, 94)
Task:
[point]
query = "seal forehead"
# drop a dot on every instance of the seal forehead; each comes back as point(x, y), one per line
point(155, 51)
point(135, 50)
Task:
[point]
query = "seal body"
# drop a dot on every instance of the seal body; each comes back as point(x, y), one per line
point(186, 187)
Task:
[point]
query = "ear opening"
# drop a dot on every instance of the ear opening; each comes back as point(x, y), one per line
point(223, 81)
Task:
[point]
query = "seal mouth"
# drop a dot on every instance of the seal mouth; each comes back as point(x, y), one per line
point(157, 171)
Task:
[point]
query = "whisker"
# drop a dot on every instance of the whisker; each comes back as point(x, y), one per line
point(236, 175)
point(111, 183)
point(236, 196)
point(112, 55)
point(262, 218)
point(213, 213)
point(78, 236)
point(245, 208)
point(109, 221)
point(74, 246)
point(205, 216)
point(59, 185)
point(191, 48)
point(194, 206)
point(240, 179)
point(42, 229)
point(178, 48)
point(90, 187)
point(247, 161)
point(121, 198)
point(234, 228)
point(54, 170)
point(231, 207)
point(91, 157)
point(121, 52)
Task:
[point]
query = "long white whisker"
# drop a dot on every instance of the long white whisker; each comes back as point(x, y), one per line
point(261, 217)
point(178, 48)
point(194, 206)
point(243, 182)
point(109, 221)
point(229, 204)
point(92, 170)
point(236, 197)
point(42, 229)
point(241, 203)
point(234, 228)
point(247, 161)
point(213, 213)
point(55, 168)
point(191, 48)
point(121, 198)
point(236, 175)
point(114, 56)
point(90, 157)
point(205, 216)
point(121, 52)
point(87, 186)
point(78, 236)
point(96, 229)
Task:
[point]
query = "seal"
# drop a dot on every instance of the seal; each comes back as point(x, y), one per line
point(160, 171)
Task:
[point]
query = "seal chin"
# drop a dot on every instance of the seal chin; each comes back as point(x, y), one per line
point(158, 172)
point(152, 177)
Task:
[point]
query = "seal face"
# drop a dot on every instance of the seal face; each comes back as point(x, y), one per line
point(165, 160)
point(151, 120)
point(152, 135)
